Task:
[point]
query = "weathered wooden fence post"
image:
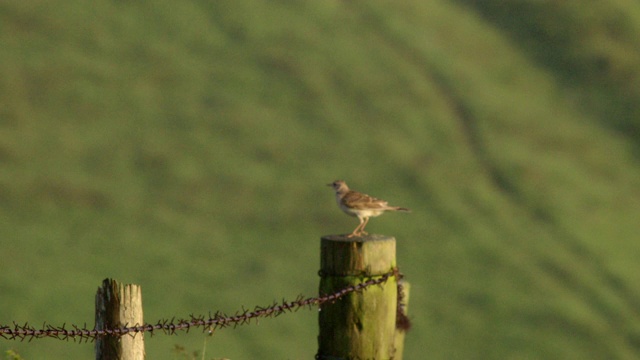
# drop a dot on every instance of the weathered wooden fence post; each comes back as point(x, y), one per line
point(361, 325)
point(118, 305)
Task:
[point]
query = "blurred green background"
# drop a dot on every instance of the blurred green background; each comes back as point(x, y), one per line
point(185, 147)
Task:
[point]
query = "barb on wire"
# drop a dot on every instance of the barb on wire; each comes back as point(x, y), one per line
point(217, 320)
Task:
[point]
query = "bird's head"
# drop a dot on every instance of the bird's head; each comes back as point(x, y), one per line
point(339, 186)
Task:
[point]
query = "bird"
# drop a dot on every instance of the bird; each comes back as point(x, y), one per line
point(360, 205)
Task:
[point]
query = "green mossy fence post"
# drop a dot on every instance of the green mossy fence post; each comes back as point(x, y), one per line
point(362, 325)
point(119, 305)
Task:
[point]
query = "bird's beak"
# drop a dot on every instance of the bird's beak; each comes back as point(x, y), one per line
point(329, 184)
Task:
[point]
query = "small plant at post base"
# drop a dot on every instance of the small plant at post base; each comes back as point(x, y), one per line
point(12, 355)
point(182, 353)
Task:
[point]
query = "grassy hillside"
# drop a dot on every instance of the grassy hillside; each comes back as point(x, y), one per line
point(184, 146)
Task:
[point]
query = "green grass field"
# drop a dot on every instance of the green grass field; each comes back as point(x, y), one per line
point(185, 147)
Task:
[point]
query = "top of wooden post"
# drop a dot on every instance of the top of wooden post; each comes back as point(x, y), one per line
point(119, 305)
point(369, 255)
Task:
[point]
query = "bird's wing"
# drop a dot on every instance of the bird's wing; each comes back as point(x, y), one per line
point(358, 200)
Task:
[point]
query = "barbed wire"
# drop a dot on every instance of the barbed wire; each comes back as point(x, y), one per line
point(217, 320)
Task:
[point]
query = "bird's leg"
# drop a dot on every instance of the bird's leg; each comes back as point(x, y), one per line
point(356, 231)
point(362, 232)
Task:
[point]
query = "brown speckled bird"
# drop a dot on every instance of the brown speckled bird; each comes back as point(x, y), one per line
point(360, 205)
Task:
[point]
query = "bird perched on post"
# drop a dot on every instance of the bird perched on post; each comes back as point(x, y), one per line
point(360, 205)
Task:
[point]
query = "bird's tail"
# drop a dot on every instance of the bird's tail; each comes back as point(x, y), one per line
point(397, 208)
